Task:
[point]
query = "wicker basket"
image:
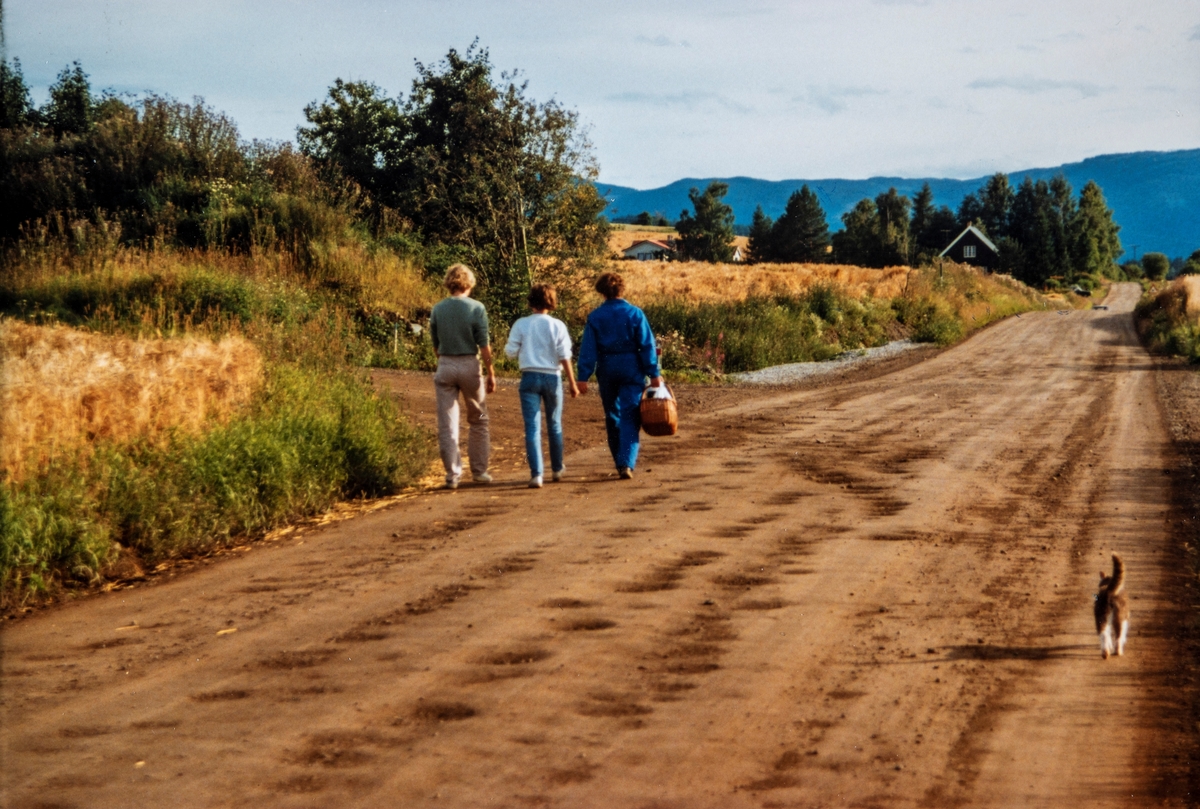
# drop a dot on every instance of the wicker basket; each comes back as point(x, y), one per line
point(659, 415)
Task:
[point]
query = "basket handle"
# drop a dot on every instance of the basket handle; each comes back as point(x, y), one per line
point(656, 392)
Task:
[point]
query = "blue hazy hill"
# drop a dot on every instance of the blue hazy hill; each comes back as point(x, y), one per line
point(1155, 196)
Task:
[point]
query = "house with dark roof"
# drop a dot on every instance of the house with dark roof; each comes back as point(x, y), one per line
point(650, 250)
point(973, 247)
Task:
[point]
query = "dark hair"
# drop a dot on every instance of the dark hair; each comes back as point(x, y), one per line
point(610, 285)
point(543, 296)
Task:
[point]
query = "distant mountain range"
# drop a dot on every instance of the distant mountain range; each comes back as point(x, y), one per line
point(1155, 196)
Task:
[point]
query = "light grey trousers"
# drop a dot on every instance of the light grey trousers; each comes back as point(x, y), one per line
point(455, 375)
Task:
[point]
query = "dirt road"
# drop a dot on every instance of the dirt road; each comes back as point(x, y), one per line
point(876, 593)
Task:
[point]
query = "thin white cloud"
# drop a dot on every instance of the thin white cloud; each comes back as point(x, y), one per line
point(835, 99)
point(1032, 86)
point(688, 99)
point(1195, 37)
point(662, 41)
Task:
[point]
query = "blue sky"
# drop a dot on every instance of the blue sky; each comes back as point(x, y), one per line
point(823, 88)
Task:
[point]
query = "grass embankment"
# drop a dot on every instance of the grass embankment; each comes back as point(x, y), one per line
point(1168, 318)
point(714, 319)
point(204, 398)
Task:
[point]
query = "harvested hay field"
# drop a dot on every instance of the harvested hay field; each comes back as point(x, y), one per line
point(622, 237)
point(61, 389)
point(701, 282)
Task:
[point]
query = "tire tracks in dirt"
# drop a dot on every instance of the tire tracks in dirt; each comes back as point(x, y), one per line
point(871, 593)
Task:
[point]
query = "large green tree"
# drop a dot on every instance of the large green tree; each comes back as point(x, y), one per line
point(16, 108)
point(931, 228)
point(893, 228)
point(1192, 265)
point(71, 110)
point(1036, 253)
point(1095, 245)
point(858, 240)
point(475, 166)
point(1156, 266)
point(707, 235)
point(760, 248)
point(801, 233)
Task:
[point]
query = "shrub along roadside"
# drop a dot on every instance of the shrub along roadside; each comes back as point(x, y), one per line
point(309, 440)
point(1163, 322)
point(939, 306)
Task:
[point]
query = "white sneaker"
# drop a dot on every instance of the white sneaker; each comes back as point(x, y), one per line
point(484, 478)
point(535, 482)
point(557, 476)
point(451, 483)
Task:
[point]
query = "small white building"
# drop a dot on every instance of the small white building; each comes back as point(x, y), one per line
point(649, 250)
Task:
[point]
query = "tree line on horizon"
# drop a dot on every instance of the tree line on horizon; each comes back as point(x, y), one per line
point(1041, 229)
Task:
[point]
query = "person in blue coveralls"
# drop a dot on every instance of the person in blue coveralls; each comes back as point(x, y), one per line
point(619, 348)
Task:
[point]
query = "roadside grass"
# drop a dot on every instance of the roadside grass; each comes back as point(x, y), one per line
point(1168, 318)
point(305, 430)
point(699, 282)
point(934, 305)
point(62, 389)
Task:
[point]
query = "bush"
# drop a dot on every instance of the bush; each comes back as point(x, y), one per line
point(763, 331)
point(1156, 266)
point(929, 321)
point(310, 440)
point(1163, 323)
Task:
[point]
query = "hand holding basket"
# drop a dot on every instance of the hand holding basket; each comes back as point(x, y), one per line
point(659, 414)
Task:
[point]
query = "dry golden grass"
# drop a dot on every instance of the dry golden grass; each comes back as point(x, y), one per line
point(622, 237)
point(381, 279)
point(701, 282)
point(1190, 284)
point(60, 388)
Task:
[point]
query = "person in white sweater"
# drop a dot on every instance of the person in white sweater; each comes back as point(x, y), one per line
point(542, 347)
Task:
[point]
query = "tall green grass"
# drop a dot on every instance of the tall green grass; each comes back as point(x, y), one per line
point(757, 332)
point(1162, 322)
point(310, 439)
point(315, 433)
point(940, 305)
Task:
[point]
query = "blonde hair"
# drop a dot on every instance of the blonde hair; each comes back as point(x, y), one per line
point(459, 278)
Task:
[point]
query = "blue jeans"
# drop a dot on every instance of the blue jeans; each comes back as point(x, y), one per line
point(538, 389)
point(622, 402)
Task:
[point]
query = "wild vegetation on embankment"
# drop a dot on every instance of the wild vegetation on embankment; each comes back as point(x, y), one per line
point(190, 400)
point(1168, 317)
point(714, 319)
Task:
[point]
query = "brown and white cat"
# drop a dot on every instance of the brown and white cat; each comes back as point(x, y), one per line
point(1112, 610)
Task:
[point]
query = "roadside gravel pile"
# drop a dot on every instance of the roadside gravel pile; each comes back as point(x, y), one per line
point(797, 371)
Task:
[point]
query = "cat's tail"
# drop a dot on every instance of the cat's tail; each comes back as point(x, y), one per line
point(1118, 576)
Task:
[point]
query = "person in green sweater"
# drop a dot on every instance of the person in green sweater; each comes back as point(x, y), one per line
point(458, 326)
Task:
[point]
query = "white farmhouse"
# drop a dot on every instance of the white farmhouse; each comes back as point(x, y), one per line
point(649, 250)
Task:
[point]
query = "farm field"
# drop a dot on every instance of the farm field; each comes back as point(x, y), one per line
point(875, 591)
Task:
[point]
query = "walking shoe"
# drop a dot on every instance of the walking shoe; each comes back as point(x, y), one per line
point(625, 473)
point(535, 482)
point(484, 478)
point(557, 476)
point(451, 483)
